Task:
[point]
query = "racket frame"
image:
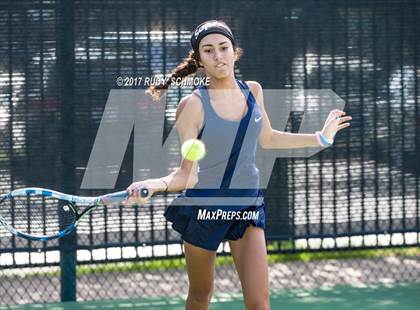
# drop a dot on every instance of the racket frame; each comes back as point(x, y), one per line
point(74, 202)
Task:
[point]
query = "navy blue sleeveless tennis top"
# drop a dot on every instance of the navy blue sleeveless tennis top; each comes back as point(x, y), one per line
point(228, 170)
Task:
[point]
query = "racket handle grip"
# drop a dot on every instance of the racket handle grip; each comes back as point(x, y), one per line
point(144, 192)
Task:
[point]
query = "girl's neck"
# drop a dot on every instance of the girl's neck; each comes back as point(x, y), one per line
point(225, 83)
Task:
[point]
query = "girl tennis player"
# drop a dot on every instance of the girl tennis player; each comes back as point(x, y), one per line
point(218, 114)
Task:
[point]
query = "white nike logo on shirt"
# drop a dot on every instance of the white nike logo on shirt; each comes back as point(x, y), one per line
point(258, 119)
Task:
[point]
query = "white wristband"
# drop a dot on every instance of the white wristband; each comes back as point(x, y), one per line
point(323, 140)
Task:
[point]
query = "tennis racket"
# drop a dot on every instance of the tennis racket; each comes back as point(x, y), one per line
point(43, 214)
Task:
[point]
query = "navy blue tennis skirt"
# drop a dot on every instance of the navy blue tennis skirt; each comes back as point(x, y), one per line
point(209, 233)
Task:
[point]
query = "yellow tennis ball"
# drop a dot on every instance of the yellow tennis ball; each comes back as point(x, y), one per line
point(193, 150)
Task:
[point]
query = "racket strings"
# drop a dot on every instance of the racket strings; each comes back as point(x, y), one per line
point(37, 215)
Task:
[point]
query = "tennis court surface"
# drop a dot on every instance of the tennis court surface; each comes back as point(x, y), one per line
point(401, 296)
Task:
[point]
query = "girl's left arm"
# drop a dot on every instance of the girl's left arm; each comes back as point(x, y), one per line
point(276, 139)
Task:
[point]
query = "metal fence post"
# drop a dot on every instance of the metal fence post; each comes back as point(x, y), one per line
point(65, 62)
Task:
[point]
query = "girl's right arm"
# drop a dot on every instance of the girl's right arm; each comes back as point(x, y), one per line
point(189, 120)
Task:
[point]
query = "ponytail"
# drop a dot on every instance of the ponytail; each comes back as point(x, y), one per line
point(187, 67)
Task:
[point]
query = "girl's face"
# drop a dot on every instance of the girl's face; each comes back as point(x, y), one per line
point(217, 55)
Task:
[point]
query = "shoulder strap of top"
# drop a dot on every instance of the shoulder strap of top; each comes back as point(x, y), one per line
point(247, 92)
point(205, 99)
point(200, 95)
point(242, 85)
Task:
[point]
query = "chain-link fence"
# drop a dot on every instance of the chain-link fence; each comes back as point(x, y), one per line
point(58, 62)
